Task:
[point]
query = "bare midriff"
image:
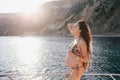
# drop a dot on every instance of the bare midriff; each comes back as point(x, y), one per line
point(75, 60)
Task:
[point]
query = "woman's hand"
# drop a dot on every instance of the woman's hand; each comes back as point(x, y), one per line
point(70, 27)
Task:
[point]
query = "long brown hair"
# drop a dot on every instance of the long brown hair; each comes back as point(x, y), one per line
point(86, 35)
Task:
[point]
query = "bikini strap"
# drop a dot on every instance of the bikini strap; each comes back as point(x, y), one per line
point(77, 67)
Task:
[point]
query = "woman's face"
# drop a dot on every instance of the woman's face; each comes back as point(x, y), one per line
point(74, 29)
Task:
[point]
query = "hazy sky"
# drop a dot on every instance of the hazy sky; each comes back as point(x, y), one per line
point(7, 6)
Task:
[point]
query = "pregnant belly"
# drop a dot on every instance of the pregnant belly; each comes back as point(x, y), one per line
point(70, 61)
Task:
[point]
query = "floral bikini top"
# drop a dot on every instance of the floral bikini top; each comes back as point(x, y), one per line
point(74, 49)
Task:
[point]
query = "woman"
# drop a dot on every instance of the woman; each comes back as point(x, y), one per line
point(79, 52)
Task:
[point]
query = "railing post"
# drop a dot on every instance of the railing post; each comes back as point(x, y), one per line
point(64, 75)
point(9, 77)
point(112, 77)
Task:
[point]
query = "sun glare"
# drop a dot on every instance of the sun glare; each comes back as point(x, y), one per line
point(30, 10)
point(27, 52)
point(22, 6)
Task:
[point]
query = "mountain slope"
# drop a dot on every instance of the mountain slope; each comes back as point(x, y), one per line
point(53, 17)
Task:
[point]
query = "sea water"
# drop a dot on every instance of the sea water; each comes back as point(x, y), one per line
point(34, 55)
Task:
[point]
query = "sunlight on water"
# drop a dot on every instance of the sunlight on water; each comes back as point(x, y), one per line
point(26, 51)
point(33, 55)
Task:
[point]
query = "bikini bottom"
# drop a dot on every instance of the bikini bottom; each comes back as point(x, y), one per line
point(77, 67)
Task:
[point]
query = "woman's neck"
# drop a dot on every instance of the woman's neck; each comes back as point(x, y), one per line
point(77, 37)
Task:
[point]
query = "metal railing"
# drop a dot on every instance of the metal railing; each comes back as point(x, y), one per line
point(9, 75)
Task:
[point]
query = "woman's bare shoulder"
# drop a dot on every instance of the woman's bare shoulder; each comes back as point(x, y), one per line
point(81, 42)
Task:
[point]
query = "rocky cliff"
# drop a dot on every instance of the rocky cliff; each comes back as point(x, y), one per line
point(53, 17)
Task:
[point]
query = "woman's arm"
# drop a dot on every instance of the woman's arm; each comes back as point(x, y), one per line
point(82, 47)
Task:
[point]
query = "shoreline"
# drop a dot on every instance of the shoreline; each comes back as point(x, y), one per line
point(106, 35)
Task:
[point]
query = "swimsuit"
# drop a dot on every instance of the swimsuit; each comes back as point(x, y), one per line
point(74, 50)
